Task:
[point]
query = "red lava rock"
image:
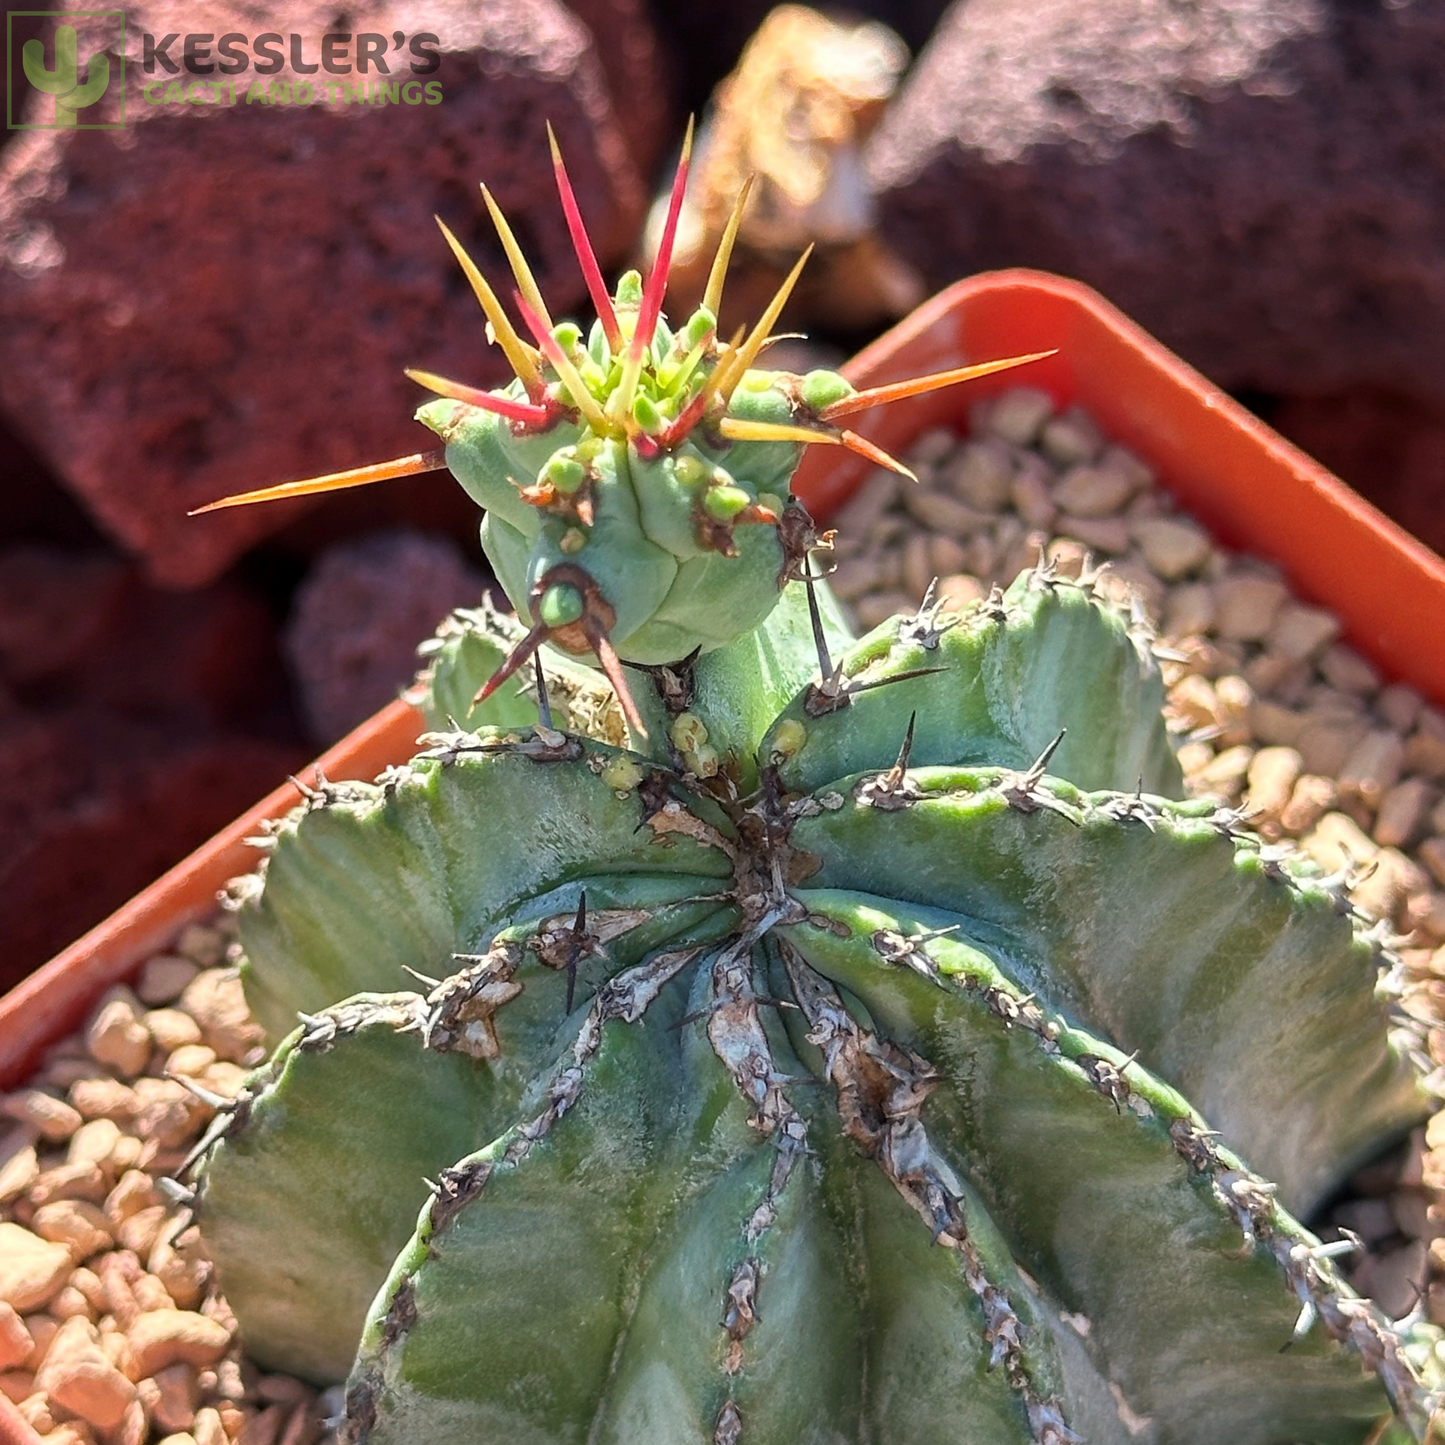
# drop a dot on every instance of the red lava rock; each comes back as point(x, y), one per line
point(220, 297)
point(1281, 155)
point(92, 808)
point(633, 63)
point(359, 616)
point(133, 723)
point(1388, 447)
point(79, 625)
point(56, 606)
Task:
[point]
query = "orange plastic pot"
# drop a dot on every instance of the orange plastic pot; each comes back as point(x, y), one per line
point(1250, 487)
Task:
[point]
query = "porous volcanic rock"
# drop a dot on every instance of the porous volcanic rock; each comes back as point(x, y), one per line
point(133, 724)
point(1386, 446)
point(221, 296)
point(1259, 182)
point(357, 619)
point(633, 62)
point(83, 629)
point(82, 828)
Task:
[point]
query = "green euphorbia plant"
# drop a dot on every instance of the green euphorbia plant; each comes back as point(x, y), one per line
point(727, 1031)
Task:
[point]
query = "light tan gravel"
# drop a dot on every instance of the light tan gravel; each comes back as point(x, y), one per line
point(112, 1329)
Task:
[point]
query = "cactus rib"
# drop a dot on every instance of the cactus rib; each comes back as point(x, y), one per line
point(929, 962)
point(881, 1091)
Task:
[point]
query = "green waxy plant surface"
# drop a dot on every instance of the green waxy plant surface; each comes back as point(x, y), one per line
point(472, 644)
point(728, 1032)
point(351, 1119)
point(739, 690)
point(1023, 1109)
point(1135, 914)
point(636, 479)
point(870, 1079)
point(454, 880)
point(1059, 676)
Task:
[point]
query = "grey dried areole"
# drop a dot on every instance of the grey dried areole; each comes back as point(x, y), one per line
point(867, 1047)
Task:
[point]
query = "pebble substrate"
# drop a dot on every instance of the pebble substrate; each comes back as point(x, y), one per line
point(112, 1328)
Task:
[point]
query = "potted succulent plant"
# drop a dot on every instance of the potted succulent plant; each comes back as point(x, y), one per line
point(828, 1037)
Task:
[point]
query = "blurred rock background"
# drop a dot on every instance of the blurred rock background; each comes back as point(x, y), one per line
point(224, 298)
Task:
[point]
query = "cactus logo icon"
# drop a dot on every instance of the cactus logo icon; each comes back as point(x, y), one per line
point(76, 66)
